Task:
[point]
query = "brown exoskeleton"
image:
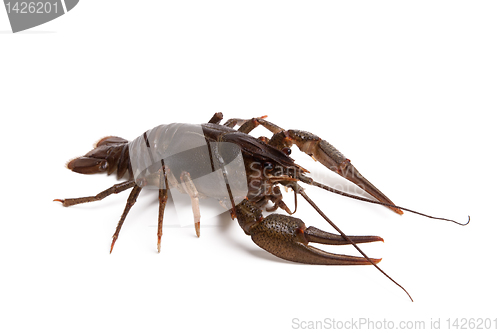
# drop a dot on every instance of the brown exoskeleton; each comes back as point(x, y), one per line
point(179, 155)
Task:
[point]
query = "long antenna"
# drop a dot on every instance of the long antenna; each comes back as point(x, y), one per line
point(310, 181)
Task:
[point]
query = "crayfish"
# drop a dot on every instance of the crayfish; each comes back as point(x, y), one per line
point(242, 172)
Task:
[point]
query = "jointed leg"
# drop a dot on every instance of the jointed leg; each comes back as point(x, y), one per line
point(117, 188)
point(216, 118)
point(235, 121)
point(250, 124)
point(171, 180)
point(185, 185)
point(188, 186)
point(130, 202)
point(162, 198)
point(247, 125)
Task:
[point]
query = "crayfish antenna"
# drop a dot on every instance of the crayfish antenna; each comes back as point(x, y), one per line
point(310, 181)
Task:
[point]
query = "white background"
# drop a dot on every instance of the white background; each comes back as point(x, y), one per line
point(407, 91)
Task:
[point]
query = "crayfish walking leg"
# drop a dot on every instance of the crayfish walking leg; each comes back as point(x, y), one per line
point(115, 189)
point(162, 200)
point(132, 198)
point(188, 186)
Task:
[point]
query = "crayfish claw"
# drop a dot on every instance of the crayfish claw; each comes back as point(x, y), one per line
point(288, 238)
point(322, 151)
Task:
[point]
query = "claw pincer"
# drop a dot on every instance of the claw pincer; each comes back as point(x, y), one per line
point(332, 158)
point(288, 238)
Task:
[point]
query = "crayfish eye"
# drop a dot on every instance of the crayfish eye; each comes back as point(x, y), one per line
point(286, 150)
point(268, 165)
